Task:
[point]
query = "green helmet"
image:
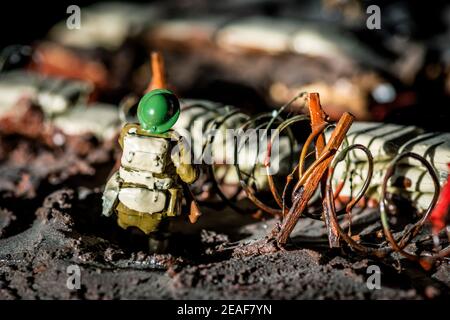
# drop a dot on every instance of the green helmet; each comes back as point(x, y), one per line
point(158, 111)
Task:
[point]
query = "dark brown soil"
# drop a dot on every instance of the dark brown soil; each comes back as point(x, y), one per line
point(67, 229)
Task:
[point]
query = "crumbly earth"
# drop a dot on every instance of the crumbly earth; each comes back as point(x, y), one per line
point(68, 230)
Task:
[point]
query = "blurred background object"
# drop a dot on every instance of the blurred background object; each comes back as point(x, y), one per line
point(252, 54)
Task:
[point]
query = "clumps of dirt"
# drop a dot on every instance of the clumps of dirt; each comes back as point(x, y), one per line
point(34, 264)
point(213, 241)
point(295, 274)
point(34, 153)
point(442, 273)
point(6, 219)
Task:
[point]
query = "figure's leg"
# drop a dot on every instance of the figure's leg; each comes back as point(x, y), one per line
point(153, 225)
point(146, 222)
point(174, 207)
point(158, 242)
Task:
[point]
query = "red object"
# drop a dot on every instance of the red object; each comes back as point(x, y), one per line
point(55, 60)
point(439, 214)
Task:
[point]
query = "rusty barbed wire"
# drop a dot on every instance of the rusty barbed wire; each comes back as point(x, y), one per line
point(337, 232)
point(396, 243)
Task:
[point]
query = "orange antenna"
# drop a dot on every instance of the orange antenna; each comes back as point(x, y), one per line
point(318, 118)
point(158, 73)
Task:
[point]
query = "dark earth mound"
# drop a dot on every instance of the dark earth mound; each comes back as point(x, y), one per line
point(68, 230)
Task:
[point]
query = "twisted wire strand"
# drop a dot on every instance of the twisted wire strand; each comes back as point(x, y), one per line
point(392, 243)
point(298, 172)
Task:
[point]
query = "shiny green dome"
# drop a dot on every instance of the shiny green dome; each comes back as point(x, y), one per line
point(158, 111)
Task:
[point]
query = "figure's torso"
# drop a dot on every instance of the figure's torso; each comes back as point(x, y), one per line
point(146, 172)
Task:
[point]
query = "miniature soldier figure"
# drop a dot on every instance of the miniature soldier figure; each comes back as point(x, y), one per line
point(147, 188)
